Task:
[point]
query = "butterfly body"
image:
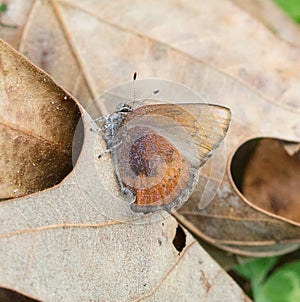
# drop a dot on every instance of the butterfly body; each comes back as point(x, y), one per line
point(113, 122)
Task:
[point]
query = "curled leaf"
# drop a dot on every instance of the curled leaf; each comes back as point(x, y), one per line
point(37, 124)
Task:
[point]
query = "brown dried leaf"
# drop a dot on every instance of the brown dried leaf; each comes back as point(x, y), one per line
point(271, 180)
point(37, 122)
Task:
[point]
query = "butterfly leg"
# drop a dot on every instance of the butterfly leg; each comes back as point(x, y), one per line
point(101, 119)
point(104, 152)
point(109, 150)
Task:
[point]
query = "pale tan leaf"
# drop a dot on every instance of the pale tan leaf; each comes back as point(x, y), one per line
point(79, 241)
point(273, 17)
point(215, 48)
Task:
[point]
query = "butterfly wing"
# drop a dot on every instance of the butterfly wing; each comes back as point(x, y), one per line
point(163, 147)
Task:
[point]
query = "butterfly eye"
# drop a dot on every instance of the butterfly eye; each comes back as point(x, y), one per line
point(126, 109)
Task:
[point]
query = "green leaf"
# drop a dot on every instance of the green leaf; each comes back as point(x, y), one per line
point(256, 269)
point(283, 285)
point(3, 7)
point(291, 7)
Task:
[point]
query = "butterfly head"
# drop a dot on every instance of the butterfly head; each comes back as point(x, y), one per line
point(124, 108)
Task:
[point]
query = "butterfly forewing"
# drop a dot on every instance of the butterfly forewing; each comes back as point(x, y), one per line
point(163, 147)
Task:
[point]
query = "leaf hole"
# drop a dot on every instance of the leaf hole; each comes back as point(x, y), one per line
point(179, 240)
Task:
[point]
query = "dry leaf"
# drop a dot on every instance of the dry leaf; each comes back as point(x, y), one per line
point(271, 180)
point(38, 120)
point(78, 241)
point(273, 17)
point(61, 237)
point(218, 50)
point(223, 36)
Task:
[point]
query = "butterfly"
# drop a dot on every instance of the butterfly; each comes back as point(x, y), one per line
point(158, 149)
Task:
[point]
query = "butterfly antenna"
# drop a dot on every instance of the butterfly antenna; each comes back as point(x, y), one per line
point(133, 87)
point(153, 93)
point(134, 92)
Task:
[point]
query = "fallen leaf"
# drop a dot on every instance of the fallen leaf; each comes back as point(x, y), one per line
point(273, 17)
point(37, 123)
point(65, 243)
point(153, 47)
point(271, 180)
point(220, 51)
point(79, 241)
